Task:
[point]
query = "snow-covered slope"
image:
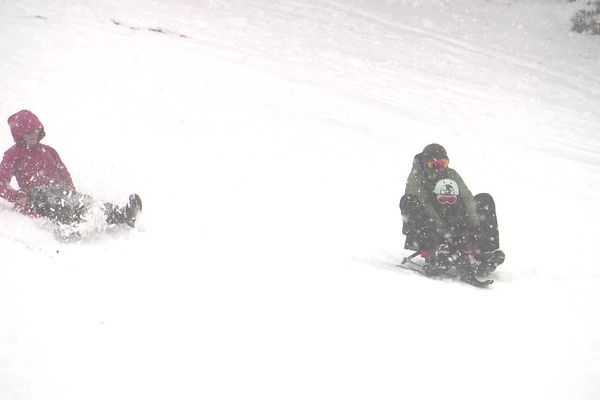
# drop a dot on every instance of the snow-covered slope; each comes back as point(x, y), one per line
point(270, 142)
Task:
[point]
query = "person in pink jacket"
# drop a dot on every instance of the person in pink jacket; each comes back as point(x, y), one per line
point(45, 185)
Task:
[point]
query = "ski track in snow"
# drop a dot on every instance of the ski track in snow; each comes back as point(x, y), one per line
point(283, 133)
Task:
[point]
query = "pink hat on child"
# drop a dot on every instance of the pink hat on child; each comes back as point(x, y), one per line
point(23, 122)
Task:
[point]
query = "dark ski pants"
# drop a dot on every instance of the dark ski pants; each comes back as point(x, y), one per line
point(67, 206)
point(421, 234)
point(58, 203)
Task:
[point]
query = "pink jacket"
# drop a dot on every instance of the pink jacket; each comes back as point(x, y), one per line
point(31, 167)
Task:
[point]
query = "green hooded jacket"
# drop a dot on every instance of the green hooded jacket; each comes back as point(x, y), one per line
point(435, 191)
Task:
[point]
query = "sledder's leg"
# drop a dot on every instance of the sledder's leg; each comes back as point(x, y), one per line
point(58, 203)
point(488, 237)
point(420, 232)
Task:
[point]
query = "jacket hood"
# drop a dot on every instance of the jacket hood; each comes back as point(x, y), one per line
point(434, 151)
point(23, 122)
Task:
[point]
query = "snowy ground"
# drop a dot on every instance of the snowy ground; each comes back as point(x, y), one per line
point(270, 142)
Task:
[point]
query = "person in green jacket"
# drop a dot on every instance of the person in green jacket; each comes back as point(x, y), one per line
point(444, 221)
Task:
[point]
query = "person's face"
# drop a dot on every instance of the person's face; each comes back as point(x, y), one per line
point(31, 139)
point(435, 167)
point(438, 165)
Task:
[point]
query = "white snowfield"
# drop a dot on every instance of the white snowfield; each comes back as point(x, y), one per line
point(270, 142)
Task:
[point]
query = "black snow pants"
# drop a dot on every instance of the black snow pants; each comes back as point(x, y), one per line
point(67, 206)
point(421, 233)
point(58, 203)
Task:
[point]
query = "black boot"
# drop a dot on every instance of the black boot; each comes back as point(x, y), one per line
point(132, 209)
point(490, 261)
point(124, 215)
point(440, 261)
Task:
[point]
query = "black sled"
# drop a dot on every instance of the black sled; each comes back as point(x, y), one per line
point(453, 269)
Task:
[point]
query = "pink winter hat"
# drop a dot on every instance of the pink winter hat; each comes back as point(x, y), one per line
point(23, 122)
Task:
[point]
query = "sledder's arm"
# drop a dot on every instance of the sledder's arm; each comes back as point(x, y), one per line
point(414, 186)
point(6, 174)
